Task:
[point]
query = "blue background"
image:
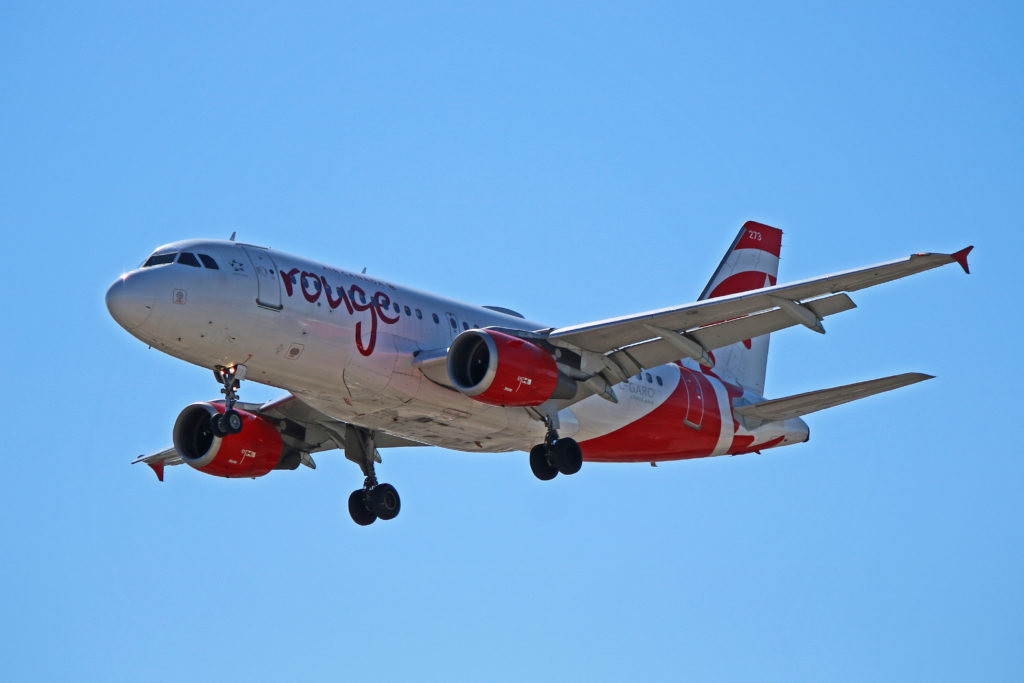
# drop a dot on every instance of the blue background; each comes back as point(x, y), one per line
point(574, 161)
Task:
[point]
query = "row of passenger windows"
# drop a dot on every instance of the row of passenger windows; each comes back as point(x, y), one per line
point(185, 258)
point(650, 380)
point(190, 259)
point(360, 296)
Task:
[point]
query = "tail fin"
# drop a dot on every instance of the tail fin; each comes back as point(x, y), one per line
point(752, 262)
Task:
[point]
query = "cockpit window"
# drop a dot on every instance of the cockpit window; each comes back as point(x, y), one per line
point(209, 262)
point(189, 259)
point(159, 259)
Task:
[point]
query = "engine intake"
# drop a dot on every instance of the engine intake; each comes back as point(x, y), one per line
point(253, 452)
point(499, 369)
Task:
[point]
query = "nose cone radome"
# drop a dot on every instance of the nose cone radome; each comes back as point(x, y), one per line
point(129, 304)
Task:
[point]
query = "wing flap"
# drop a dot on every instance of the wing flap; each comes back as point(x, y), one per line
point(659, 351)
point(780, 409)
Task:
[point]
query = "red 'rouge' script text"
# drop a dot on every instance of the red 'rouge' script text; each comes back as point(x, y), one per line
point(314, 286)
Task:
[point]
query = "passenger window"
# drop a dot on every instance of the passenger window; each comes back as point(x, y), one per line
point(437, 321)
point(658, 379)
point(208, 262)
point(188, 259)
point(159, 259)
point(454, 324)
point(396, 307)
point(419, 314)
point(408, 311)
point(465, 325)
point(650, 380)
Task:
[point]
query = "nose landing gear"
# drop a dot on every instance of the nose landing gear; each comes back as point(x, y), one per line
point(230, 421)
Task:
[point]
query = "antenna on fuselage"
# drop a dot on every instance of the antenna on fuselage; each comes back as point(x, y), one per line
point(232, 238)
point(364, 270)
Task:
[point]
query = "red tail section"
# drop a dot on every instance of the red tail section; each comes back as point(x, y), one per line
point(752, 262)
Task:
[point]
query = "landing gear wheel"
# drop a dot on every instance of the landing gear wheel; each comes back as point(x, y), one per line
point(567, 456)
point(385, 501)
point(231, 421)
point(358, 508)
point(217, 426)
point(539, 463)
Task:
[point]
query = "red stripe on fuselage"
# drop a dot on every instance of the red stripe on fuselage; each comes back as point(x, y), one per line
point(749, 447)
point(663, 433)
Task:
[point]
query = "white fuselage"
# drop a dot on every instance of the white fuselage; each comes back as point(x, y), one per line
point(345, 343)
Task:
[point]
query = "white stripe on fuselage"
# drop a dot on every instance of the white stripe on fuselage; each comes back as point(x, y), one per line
point(726, 430)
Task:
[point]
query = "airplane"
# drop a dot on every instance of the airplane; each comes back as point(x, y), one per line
point(369, 365)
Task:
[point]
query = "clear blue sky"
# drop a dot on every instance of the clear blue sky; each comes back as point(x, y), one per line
point(574, 161)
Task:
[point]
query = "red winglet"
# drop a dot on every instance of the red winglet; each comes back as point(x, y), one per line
point(158, 467)
point(961, 258)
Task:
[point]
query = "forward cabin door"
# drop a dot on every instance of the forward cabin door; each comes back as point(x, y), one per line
point(268, 282)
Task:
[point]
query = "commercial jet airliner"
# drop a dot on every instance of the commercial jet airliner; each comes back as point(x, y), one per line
point(368, 365)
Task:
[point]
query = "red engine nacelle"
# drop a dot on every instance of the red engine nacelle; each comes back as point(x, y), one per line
point(501, 370)
point(253, 452)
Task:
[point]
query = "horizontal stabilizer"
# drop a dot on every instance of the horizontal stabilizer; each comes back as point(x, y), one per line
point(779, 409)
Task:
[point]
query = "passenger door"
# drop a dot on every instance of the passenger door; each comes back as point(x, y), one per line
point(268, 283)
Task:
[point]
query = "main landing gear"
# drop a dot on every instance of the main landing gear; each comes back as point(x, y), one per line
point(228, 422)
point(555, 455)
point(374, 501)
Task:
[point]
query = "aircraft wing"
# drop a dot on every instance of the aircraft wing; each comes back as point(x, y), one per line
point(302, 427)
point(617, 348)
point(168, 456)
point(801, 404)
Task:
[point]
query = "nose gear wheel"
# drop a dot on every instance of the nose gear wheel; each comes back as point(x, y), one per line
point(230, 421)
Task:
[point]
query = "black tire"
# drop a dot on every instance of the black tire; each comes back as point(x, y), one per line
point(539, 463)
point(232, 422)
point(357, 507)
point(385, 501)
point(217, 426)
point(567, 456)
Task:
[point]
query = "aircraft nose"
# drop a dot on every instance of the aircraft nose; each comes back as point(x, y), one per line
point(128, 302)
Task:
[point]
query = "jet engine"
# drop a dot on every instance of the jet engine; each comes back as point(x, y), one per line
point(254, 451)
point(501, 370)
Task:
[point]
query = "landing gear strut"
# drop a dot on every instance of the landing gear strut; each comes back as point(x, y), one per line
point(373, 501)
point(555, 455)
point(230, 421)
